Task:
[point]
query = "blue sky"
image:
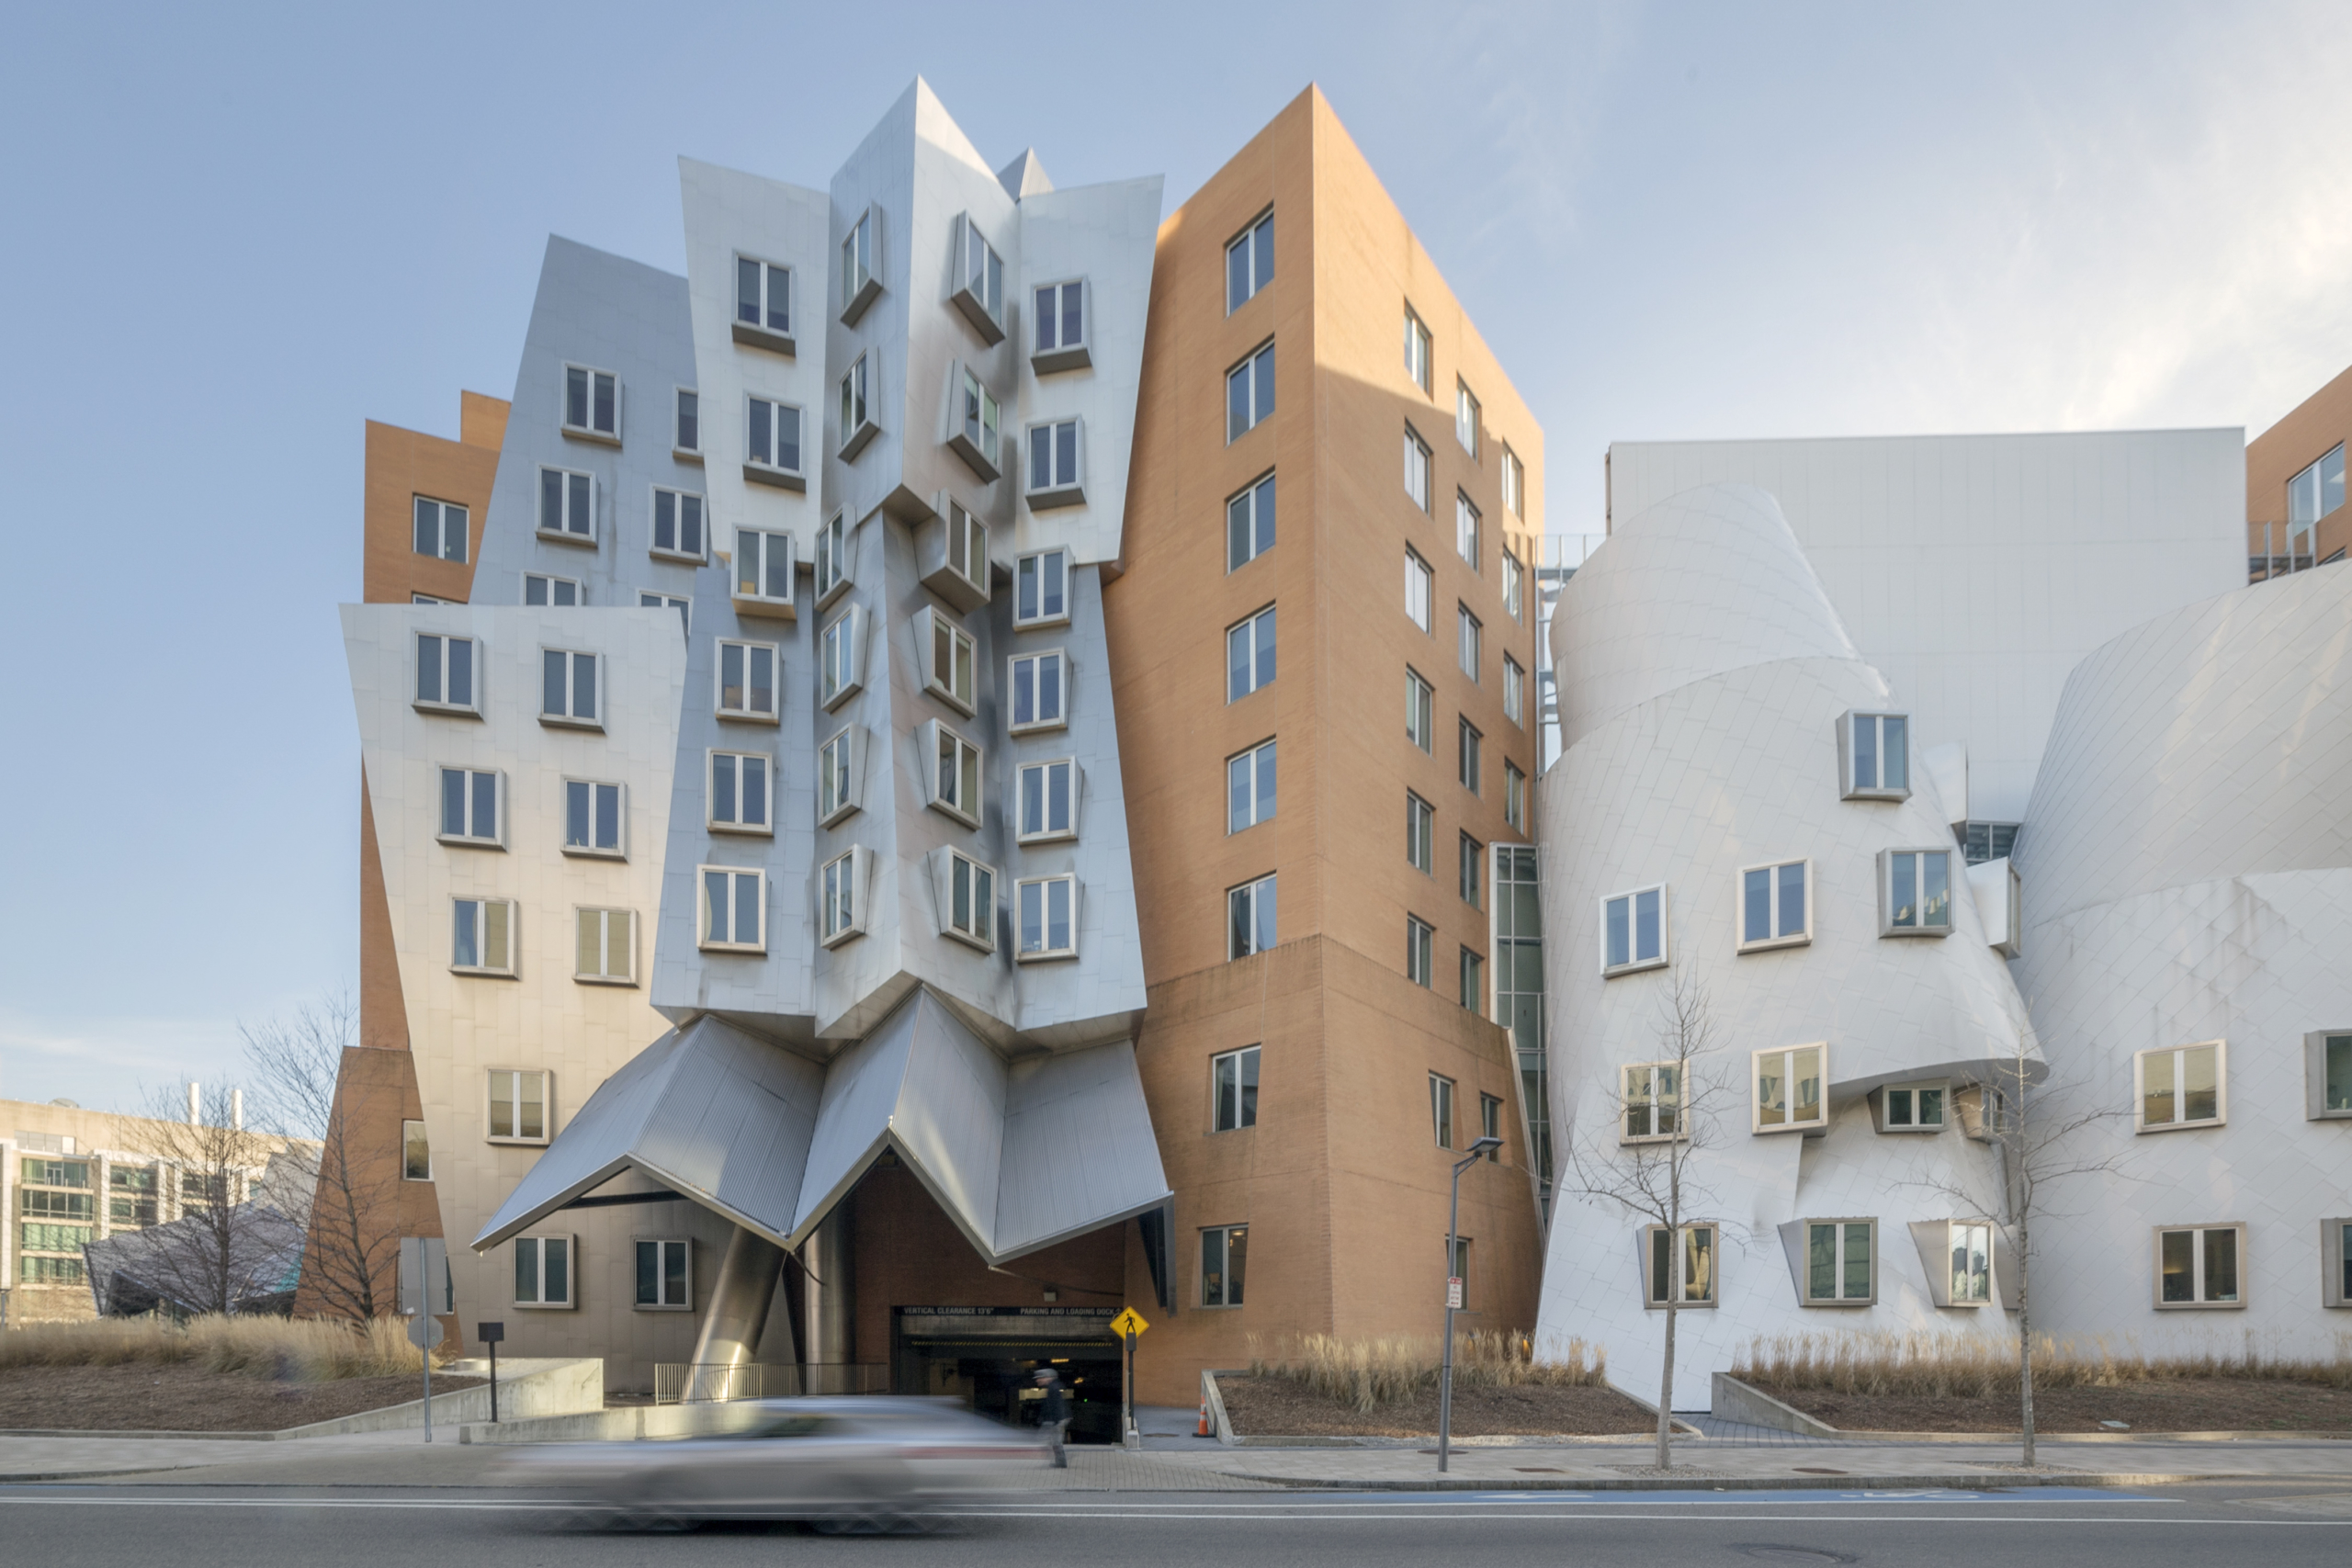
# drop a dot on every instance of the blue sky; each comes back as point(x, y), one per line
point(233, 238)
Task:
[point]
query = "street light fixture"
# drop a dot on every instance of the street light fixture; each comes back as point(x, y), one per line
point(1453, 1298)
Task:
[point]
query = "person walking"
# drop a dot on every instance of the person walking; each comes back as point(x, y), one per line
point(1053, 1415)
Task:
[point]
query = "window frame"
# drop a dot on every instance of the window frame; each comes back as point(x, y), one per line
point(568, 717)
point(484, 904)
point(1420, 953)
point(1258, 270)
point(971, 773)
point(1803, 937)
point(703, 939)
point(1635, 962)
point(1245, 1094)
point(858, 401)
point(979, 299)
point(1467, 416)
point(1789, 1123)
point(1882, 1107)
point(763, 332)
point(654, 547)
point(1031, 685)
point(832, 561)
point(1513, 585)
point(496, 838)
point(514, 1076)
point(2220, 1116)
point(1679, 1268)
point(1251, 644)
point(562, 531)
point(1252, 891)
point(410, 1144)
point(2198, 1233)
point(840, 774)
point(1064, 353)
point(1469, 528)
point(590, 431)
point(2334, 1281)
point(930, 625)
point(840, 657)
point(539, 1241)
point(1514, 796)
point(862, 261)
point(1042, 768)
point(1472, 879)
point(2316, 1108)
point(1470, 768)
point(546, 583)
point(963, 574)
point(1423, 470)
point(754, 554)
point(1023, 575)
point(1421, 586)
point(1441, 1097)
point(1472, 967)
point(712, 822)
point(2316, 471)
point(661, 1245)
point(1022, 952)
point(1231, 1291)
point(442, 512)
point(1250, 395)
point(1420, 711)
point(760, 457)
point(979, 898)
point(591, 850)
point(1470, 634)
point(1421, 834)
point(1514, 483)
point(752, 649)
point(1673, 1100)
point(1059, 490)
point(1839, 1240)
point(975, 422)
point(1849, 755)
point(1887, 860)
point(1514, 692)
point(679, 416)
point(605, 976)
point(472, 708)
point(1258, 527)
point(1264, 804)
point(1419, 351)
point(844, 875)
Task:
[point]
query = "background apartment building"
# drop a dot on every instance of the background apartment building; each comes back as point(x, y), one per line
point(2294, 486)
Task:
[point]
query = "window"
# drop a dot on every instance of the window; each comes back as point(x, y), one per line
point(1041, 590)
point(429, 599)
point(772, 443)
point(2197, 1266)
point(979, 280)
point(1466, 758)
point(1474, 981)
point(1418, 964)
point(517, 1105)
point(961, 574)
point(1225, 1256)
point(861, 265)
point(1787, 1089)
point(592, 403)
point(1840, 1263)
point(1684, 1275)
point(739, 792)
point(440, 529)
point(1967, 1265)
point(966, 900)
point(1062, 343)
point(1915, 892)
point(561, 592)
point(567, 505)
point(733, 910)
point(444, 673)
point(1048, 800)
point(1652, 1102)
point(2327, 1074)
point(1417, 468)
point(949, 659)
point(1250, 525)
point(416, 1154)
point(1773, 910)
point(972, 432)
point(2182, 1085)
point(1040, 683)
point(2335, 1246)
point(1514, 796)
point(1514, 487)
point(1490, 1125)
point(1473, 860)
point(677, 524)
point(1982, 842)
point(1469, 640)
point(606, 947)
point(840, 897)
point(1466, 529)
point(543, 1270)
point(470, 808)
point(1047, 907)
point(1442, 1109)
point(1250, 655)
point(568, 688)
point(1514, 692)
point(1465, 419)
point(762, 566)
point(1416, 589)
point(132, 1202)
point(840, 764)
point(593, 818)
point(857, 409)
point(1250, 779)
point(663, 1281)
point(55, 1172)
point(34, 1271)
point(954, 777)
point(1514, 586)
point(1249, 263)
point(685, 607)
point(1249, 918)
point(1249, 394)
point(1056, 478)
point(1420, 723)
point(1417, 820)
point(1912, 1107)
point(686, 437)
point(1873, 756)
point(840, 657)
point(1232, 1090)
point(2315, 492)
point(833, 562)
point(482, 936)
point(1417, 350)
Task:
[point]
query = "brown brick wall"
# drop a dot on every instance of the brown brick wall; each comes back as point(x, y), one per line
point(2284, 450)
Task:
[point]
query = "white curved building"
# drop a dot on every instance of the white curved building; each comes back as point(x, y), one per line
point(1740, 805)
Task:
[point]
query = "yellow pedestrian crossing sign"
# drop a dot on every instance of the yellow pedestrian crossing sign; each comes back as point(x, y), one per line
point(1128, 1323)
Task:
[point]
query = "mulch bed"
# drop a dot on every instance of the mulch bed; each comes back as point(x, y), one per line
point(139, 1397)
point(2178, 1405)
point(1279, 1407)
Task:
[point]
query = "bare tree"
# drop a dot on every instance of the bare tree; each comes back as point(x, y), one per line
point(1663, 1116)
point(237, 1216)
point(353, 1249)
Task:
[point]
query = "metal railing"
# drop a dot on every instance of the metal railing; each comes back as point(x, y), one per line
point(681, 1383)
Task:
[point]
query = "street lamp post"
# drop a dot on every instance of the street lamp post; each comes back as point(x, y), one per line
point(1452, 1300)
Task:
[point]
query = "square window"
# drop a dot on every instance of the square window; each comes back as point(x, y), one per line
point(1441, 1108)
point(1469, 640)
point(1225, 1256)
point(1046, 910)
point(1249, 778)
point(1057, 473)
point(1467, 523)
point(954, 780)
point(1062, 341)
point(517, 1105)
point(605, 947)
point(1684, 1274)
point(440, 529)
point(1873, 756)
point(840, 770)
point(1473, 869)
point(482, 936)
point(1774, 910)
point(1473, 982)
point(1041, 590)
point(1418, 819)
point(966, 892)
point(840, 897)
point(1249, 393)
point(1652, 1102)
point(1416, 351)
point(2182, 1085)
point(545, 1268)
point(1915, 892)
point(665, 1276)
point(685, 439)
point(1514, 797)
point(1251, 924)
point(445, 674)
point(733, 910)
point(473, 808)
point(762, 566)
point(1514, 487)
point(1465, 419)
point(840, 657)
point(1912, 1107)
point(836, 542)
point(416, 1159)
point(973, 424)
point(738, 794)
point(1466, 769)
point(567, 506)
point(772, 454)
point(1040, 691)
point(1416, 589)
point(1233, 1090)
point(858, 402)
point(1418, 962)
point(2201, 1265)
point(1514, 692)
point(950, 659)
point(861, 270)
point(1420, 722)
point(595, 822)
point(568, 686)
point(1840, 1262)
point(1250, 523)
point(1417, 468)
point(2327, 1074)
point(1249, 263)
point(562, 593)
point(592, 403)
point(1250, 655)
point(1047, 800)
point(677, 524)
point(978, 293)
point(1788, 1088)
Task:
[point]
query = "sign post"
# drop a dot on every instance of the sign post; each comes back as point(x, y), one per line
point(492, 1334)
point(1127, 1325)
point(424, 1290)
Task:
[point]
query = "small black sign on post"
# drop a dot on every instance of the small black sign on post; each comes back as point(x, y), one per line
point(492, 1334)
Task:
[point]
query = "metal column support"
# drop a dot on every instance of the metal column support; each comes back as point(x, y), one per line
point(828, 1335)
point(739, 1299)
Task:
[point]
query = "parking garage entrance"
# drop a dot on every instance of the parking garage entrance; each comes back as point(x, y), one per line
point(988, 1357)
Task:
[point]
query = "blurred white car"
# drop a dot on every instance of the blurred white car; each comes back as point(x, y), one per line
point(866, 1461)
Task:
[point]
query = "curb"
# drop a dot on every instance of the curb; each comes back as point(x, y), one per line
point(1992, 1481)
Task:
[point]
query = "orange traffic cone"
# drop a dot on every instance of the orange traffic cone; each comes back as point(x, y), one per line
point(1202, 1432)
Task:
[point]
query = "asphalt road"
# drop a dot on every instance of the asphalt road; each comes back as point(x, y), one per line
point(2276, 1526)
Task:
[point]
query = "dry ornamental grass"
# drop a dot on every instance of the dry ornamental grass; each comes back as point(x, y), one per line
point(1371, 1373)
point(1944, 1366)
point(304, 1350)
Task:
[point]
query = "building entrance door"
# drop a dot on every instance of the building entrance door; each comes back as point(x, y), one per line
point(986, 1357)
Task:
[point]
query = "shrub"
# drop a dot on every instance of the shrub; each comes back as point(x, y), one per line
point(1398, 1369)
point(301, 1351)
